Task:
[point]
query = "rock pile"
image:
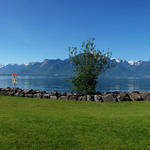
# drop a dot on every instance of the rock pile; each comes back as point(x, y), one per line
point(97, 97)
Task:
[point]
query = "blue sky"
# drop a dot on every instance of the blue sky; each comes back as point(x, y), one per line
point(33, 30)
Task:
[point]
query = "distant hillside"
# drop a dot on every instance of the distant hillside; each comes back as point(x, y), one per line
point(127, 69)
point(47, 67)
point(57, 67)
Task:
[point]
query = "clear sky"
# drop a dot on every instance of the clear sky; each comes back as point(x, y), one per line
point(33, 30)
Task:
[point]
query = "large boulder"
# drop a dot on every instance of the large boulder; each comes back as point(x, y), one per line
point(46, 95)
point(37, 91)
point(21, 94)
point(90, 97)
point(2, 93)
point(27, 91)
point(135, 96)
point(72, 97)
point(38, 95)
point(82, 98)
point(7, 89)
point(69, 93)
point(109, 98)
point(97, 98)
point(29, 95)
point(123, 96)
point(63, 98)
point(18, 92)
point(145, 96)
point(7, 92)
point(10, 93)
point(53, 97)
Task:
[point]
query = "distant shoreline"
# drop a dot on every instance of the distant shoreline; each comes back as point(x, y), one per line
point(69, 76)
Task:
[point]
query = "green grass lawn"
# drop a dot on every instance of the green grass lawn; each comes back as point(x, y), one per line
point(38, 124)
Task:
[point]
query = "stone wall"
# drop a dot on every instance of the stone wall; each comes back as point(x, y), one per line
point(97, 97)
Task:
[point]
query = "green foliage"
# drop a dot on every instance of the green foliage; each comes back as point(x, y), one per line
point(88, 63)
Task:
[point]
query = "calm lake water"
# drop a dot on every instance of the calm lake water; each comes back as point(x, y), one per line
point(62, 84)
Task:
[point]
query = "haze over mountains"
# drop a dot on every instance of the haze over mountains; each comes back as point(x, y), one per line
point(57, 67)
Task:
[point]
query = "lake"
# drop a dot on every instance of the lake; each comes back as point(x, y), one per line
point(62, 84)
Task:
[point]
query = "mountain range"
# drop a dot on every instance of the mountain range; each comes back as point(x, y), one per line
point(58, 67)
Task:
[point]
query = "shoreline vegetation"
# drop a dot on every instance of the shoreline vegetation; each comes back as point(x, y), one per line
point(96, 97)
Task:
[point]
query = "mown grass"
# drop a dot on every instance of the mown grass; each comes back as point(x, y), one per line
point(34, 124)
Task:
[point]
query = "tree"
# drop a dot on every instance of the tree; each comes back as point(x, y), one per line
point(88, 63)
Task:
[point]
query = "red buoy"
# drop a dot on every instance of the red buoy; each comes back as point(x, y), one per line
point(14, 74)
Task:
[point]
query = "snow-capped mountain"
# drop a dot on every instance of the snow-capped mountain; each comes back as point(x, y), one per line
point(139, 62)
point(1, 66)
point(121, 69)
point(130, 62)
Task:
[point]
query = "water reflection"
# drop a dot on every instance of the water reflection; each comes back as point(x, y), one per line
point(62, 84)
point(124, 85)
point(37, 82)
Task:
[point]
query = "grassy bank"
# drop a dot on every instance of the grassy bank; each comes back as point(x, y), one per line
point(34, 124)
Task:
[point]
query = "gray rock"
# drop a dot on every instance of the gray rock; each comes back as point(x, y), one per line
point(97, 98)
point(90, 98)
point(145, 96)
point(2, 93)
point(19, 90)
point(7, 89)
point(28, 95)
point(135, 97)
point(123, 96)
point(82, 98)
point(15, 90)
point(36, 91)
point(44, 92)
point(17, 94)
point(69, 93)
point(46, 95)
point(104, 94)
point(37, 95)
point(21, 94)
point(63, 98)
point(53, 97)
point(72, 97)
point(79, 98)
point(108, 98)
point(27, 91)
point(105, 97)
point(10, 93)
